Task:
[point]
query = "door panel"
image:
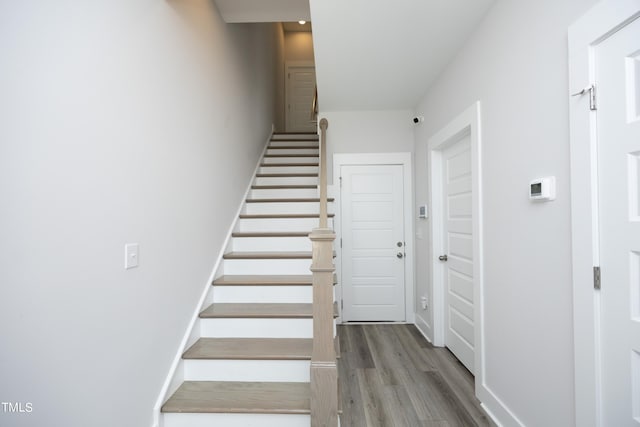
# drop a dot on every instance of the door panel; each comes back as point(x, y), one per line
point(618, 130)
point(372, 211)
point(458, 245)
point(301, 83)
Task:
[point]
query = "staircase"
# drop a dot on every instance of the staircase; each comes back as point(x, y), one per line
point(250, 365)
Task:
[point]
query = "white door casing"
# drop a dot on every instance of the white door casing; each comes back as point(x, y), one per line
point(604, 184)
point(300, 83)
point(457, 245)
point(405, 160)
point(372, 213)
point(466, 126)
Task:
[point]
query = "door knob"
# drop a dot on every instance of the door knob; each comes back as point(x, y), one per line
point(443, 257)
point(400, 255)
point(399, 244)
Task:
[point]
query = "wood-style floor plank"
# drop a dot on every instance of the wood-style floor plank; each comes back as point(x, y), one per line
point(391, 376)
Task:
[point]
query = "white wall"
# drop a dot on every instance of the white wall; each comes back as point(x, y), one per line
point(115, 127)
point(298, 46)
point(367, 132)
point(516, 65)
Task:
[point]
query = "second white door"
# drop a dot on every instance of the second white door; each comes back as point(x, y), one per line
point(373, 263)
point(457, 254)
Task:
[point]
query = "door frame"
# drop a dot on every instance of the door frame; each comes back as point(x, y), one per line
point(467, 123)
point(379, 159)
point(600, 22)
point(287, 90)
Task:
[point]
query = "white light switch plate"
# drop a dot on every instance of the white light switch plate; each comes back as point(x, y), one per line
point(130, 255)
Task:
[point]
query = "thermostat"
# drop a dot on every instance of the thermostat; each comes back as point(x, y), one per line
point(543, 189)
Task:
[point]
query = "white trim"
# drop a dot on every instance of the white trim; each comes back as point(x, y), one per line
point(404, 159)
point(600, 22)
point(467, 123)
point(170, 384)
point(287, 90)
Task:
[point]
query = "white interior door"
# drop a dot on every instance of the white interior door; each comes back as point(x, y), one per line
point(300, 88)
point(372, 218)
point(618, 124)
point(457, 257)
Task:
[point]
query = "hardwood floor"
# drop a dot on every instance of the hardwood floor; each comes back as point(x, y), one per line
point(391, 376)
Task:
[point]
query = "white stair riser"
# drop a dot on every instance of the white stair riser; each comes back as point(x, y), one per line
point(283, 193)
point(291, 160)
point(285, 208)
point(256, 328)
point(308, 144)
point(286, 180)
point(280, 224)
point(262, 294)
point(288, 169)
point(271, 244)
point(236, 420)
point(310, 151)
point(296, 136)
point(247, 370)
point(266, 266)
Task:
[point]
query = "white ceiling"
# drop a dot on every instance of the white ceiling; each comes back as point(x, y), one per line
point(237, 11)
point(372, 54)
point(383, 55)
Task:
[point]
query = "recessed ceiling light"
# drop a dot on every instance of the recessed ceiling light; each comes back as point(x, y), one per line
point(302, 22)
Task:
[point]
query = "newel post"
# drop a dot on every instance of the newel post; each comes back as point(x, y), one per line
point(324, 369)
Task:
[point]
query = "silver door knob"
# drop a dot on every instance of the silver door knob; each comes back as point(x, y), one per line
point(443, 257)
point(400, 255)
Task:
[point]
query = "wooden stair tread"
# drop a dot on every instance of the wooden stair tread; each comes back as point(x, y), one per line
point(268, 255)
point(286, 216)
point(260, 311)
point(266, 280)
point(290, 155)
point(250, 349)
point(289, 200)
point(286, 175)
point(279, 165)
point(271, 234)
point(240, 397)
point(293, 147)
point(284, 187)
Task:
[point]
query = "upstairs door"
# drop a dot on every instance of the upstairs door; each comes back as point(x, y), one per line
point(300, 89)
point(618, 131)
point(373, 243)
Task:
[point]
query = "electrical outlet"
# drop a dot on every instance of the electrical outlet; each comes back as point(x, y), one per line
point(130, 255)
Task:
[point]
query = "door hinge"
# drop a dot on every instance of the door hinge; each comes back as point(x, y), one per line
point(597, 281)
point(341, 242)
point(340, 182)
point(592, 96)
point(341, 305)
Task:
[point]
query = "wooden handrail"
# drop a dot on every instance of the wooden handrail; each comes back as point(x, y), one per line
point(324, 368)
point(314, 106)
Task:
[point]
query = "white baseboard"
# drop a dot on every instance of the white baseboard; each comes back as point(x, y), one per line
point(170, 385)
point(496, 409)
point(424, 328)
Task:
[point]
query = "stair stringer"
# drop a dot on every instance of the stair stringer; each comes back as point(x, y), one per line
point(176, 374)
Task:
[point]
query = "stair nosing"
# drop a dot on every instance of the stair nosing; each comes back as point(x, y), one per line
point(261, 311)
point(285, 216)
point(267, 255)
point(284, 187)
point(285, 165)
point(178, 403)
point(266, 280)
point(289, 200)
point(242, 234)
point(250, 349)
